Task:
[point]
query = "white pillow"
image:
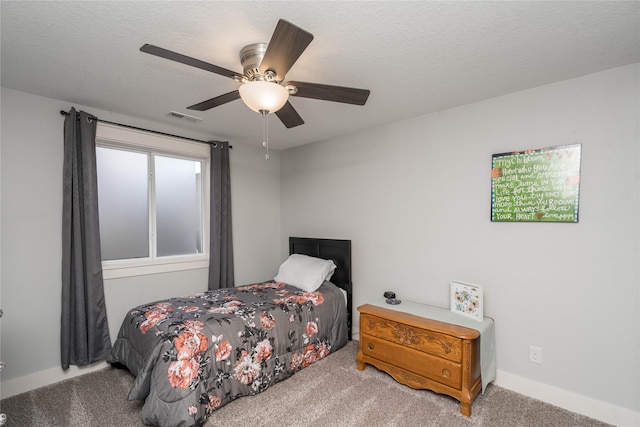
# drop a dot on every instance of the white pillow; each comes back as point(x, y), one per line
point(305, 272)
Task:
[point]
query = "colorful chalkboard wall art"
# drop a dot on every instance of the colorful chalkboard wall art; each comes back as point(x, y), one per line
point(536, 185)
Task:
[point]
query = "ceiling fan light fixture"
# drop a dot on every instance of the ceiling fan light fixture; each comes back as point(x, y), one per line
point(266, 96)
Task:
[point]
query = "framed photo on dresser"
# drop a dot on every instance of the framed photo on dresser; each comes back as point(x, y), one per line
point(466, 299)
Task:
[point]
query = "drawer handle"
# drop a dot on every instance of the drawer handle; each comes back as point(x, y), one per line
point(370, 346)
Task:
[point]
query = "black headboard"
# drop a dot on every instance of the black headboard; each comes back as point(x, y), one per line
point(338, 251)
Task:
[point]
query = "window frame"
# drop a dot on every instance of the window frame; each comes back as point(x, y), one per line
point(118, 137)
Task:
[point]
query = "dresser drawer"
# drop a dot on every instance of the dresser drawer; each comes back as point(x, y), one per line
point(432, 367)
point(431, 342)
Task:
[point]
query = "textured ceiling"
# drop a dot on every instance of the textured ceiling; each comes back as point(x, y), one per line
point(415, 57)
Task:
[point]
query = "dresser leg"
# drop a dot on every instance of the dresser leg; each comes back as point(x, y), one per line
point(359, 363)
point(465, 409)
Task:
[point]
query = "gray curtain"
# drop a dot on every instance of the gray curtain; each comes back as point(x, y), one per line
point(84, 329)
point(221, 239)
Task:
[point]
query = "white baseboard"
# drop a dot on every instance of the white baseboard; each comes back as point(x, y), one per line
point(570, 401)
point(29, 382)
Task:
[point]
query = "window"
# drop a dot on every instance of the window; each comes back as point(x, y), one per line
point(153, 202)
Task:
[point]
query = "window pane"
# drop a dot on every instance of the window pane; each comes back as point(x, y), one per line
point(123, 203)
point(178, 206)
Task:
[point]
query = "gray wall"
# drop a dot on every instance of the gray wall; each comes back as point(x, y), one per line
point(414, 198)
point(31, 218)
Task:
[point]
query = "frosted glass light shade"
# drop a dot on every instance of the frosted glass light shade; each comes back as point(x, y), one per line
point(261, 95)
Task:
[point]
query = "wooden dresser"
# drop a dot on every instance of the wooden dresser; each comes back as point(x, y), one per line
point(421, 353)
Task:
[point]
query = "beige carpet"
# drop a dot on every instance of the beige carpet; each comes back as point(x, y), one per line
point(331, 392)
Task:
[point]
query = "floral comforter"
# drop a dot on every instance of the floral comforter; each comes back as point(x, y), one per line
point(194, 354)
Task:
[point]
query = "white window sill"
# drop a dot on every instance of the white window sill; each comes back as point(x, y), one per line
point(141, 269)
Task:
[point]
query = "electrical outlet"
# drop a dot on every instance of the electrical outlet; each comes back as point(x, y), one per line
point(535, 354)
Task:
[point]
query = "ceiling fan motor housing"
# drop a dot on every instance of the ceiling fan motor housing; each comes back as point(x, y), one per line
point(251, 58)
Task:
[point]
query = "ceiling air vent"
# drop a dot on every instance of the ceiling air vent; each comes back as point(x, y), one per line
point(184, 116)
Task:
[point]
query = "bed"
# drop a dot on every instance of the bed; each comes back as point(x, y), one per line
point(192, 355)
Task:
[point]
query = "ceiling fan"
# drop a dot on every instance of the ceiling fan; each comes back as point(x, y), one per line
point(264, 68)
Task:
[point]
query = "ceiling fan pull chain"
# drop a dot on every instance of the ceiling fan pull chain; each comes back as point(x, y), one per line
point(265, 133)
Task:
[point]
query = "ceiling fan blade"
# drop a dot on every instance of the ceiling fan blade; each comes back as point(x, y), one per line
point(289, 116)
point(285, 47)
point(214, 102)
point(347, 95)
point(178, 57)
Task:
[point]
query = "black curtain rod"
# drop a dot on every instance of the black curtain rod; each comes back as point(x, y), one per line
point(64, 113)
